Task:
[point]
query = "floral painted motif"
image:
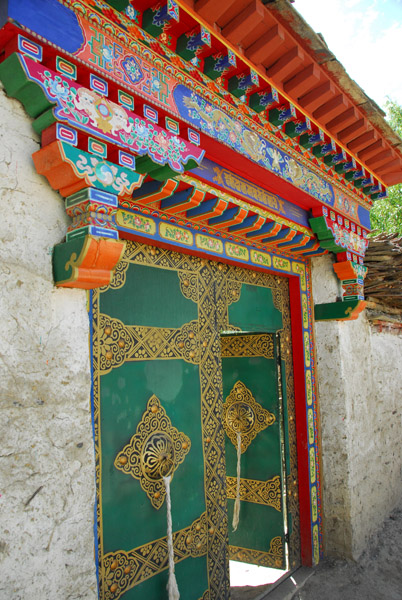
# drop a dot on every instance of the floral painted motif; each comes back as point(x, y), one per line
point(132, 69)
point(176, 234)
point(205, 242)
point(260, 258)
point(135, 222)
point(281, 263)
point(236, 251)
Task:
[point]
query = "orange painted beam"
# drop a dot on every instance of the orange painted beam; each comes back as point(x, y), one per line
point(371, 150)
point(302, 82)
point(262, 48)
point(380, 159)
point(389, 166)
point(211, 10)
point(93, 266)
point(244, 23)
point(286, 64)
point(343, 120)
point(331, 109)
point(317, 96)
point(353, 131)
point(363, 141)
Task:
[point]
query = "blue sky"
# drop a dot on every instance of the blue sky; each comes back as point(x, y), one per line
point(366, 37)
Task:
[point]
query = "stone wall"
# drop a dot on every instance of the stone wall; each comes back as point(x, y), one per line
point(360, 394)
point(46, 456)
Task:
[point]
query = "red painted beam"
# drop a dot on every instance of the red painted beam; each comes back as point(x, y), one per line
point(211, 10)
point(343, 120)
point(390, 166)
point(380, 159)
point(372, 150)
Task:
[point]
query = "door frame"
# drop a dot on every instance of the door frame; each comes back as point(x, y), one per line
point(296, 272)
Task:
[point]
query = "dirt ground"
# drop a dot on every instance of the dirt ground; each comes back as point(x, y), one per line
point(377, 575)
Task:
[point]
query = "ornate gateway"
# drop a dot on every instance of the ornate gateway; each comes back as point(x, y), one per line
point(186, 353)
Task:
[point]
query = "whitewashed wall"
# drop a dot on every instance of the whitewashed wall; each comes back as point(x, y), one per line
point(46, 445)
point(360, 393)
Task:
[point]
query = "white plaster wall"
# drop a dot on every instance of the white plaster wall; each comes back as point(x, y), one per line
point(360, 396)
point(46, 444)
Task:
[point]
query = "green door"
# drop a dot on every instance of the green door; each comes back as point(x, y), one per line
point(252, 418)
point(148, 418)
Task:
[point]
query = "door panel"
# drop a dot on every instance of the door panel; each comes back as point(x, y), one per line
point(149, 359)
point(250, 382)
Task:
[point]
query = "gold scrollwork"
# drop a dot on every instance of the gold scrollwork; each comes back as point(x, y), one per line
point(243, 414)
point(189, 285)
point(258, 492)
point(124, 570)
point(248, 345)
point(119, 343)
point(155, 451)
point(233, 291)
point(273, 558)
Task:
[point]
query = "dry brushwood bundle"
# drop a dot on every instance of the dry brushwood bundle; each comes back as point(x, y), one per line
point(384, 275)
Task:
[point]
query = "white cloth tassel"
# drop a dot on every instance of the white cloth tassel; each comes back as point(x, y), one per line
point(236, 511)
point(171, 587)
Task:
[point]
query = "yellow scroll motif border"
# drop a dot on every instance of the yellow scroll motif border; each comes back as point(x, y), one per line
point(258, 492)
point(274, 558)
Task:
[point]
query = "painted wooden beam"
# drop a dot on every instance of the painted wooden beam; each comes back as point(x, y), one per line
point(331, 109)
point(260, 51)
point(270, 228)
point(317, 96)
point(250, 223)
point(302, 82)
point(348, 310)
point(363, 141)
point(211, 208)
point(244, 23)
point(152, 191)
point(284, 66)
point(343, 120)
point(231, 216)
point(372, 150)
point(181, 201)
point(353, 131)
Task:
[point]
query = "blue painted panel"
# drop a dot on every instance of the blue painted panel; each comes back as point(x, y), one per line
point(48, 18)
point(364, 217)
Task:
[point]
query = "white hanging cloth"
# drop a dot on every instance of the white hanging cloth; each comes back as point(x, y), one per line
point(236, 511)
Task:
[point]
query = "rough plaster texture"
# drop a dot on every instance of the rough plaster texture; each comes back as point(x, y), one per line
point(360, 395)
point(46, 448)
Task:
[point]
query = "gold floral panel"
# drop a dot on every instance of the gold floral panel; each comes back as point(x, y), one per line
point(242, 414)
point(154, 452)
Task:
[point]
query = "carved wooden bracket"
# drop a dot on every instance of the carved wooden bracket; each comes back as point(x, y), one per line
point(86, 262)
